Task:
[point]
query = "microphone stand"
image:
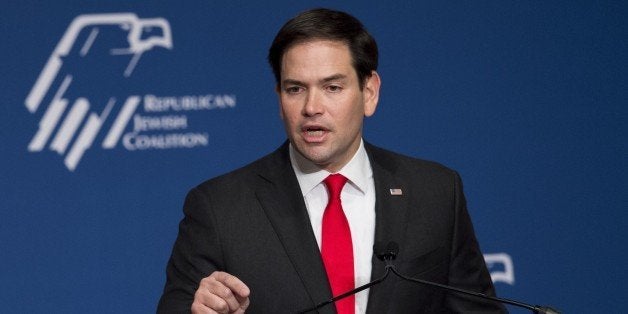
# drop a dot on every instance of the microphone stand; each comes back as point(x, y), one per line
point(388, 257)
point(536, 309)
point(351, 292)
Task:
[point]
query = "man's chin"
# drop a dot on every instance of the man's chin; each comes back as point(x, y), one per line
point(317, 159)
point(316, 156)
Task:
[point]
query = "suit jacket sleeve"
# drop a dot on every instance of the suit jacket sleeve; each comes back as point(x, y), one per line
point(195, 255)
point(467, 269)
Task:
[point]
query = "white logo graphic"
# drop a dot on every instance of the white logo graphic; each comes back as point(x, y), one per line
point(501, 267)
point(74, 129)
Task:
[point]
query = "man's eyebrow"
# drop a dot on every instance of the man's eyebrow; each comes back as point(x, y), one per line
point(292, 82)
point(330, 78)
point(334, 77)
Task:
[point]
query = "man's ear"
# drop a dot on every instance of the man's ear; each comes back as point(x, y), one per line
point(371, 93)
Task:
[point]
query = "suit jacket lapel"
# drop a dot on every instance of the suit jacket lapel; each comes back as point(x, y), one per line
point(390, 224)
point(281, 199)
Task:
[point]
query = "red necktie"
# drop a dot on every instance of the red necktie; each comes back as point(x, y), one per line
point(337, 247)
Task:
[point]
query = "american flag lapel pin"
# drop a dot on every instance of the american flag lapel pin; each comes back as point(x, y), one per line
point(396, 192)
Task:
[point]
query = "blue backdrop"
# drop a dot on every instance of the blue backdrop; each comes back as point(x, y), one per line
point(112, 110)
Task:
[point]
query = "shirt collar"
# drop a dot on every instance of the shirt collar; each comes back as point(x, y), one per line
point(358, 170)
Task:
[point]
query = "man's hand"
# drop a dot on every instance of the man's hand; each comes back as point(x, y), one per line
point(221, 292)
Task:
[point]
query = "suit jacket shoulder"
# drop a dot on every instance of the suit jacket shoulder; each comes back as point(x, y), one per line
point(251, 223)
point(405, 165)
point(421, 206)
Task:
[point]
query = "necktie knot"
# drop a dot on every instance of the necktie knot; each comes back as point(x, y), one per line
point(334, 184)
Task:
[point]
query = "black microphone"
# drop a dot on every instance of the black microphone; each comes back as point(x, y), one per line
point(390, 253)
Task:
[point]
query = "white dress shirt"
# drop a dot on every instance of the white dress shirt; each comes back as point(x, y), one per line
point(358, 202)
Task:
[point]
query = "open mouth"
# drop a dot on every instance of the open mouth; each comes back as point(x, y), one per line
point(314, 131)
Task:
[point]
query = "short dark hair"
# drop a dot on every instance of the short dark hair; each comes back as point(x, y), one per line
point(327, 24)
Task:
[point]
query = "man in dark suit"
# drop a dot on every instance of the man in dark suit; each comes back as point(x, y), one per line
point(269, 237)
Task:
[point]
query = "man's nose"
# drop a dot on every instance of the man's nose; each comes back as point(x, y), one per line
point(314, 103)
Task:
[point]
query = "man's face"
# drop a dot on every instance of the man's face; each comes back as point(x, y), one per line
point(322, 105)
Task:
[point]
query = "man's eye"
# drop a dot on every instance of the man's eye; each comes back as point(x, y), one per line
point(293, 89)
point(334, 88)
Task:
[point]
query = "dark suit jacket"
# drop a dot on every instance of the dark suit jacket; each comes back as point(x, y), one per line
point(253, 224)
